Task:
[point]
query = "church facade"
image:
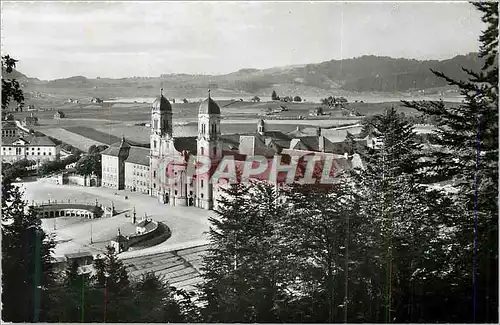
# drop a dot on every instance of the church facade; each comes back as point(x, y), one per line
point(169, 176)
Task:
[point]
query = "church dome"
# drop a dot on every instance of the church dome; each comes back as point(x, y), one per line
point(208, 106)
point(162, 104)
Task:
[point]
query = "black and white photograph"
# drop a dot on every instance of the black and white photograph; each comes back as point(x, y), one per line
point(249, 162)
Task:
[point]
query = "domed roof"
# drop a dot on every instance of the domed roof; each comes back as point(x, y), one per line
point(208, 106)
point(162, 104)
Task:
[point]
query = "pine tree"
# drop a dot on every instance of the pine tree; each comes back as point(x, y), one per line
point(27, 273)
point(319, 238)
point(468, 135)
point(154, 301)
point(244, 271)
point(222, 291)
point(111, 280)
point(405, 222)
point(351, 144)
point(264, 265)
point(73, 295)
point(274, 96)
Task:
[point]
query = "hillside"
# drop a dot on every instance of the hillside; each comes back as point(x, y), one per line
point(363, 74)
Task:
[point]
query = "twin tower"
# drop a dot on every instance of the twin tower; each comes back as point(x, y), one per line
point(165, 148)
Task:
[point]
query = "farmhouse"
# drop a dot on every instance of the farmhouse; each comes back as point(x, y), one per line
point(316, 111)
point(59, 115)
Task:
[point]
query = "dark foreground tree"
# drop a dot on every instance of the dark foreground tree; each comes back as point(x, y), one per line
point(244, 270)
point(468, 135)
point(11, 90)
point(112, 282)
point(27, 274)
point(406, 229)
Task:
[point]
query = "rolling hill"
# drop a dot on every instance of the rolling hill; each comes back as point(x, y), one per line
point(362, 74)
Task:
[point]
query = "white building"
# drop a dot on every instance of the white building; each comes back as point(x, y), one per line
point(34, 148)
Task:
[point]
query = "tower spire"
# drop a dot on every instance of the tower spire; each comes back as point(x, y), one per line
point(161, 90)
point(208, 92)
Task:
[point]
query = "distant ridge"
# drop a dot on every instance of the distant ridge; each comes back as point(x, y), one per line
point(367, 73)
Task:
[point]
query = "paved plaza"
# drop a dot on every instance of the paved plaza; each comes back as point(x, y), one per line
point(73, 234)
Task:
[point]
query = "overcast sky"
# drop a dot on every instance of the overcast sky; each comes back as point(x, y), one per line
point(113, 39)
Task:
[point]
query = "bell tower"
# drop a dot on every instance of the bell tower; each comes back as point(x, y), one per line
point(208, 144)
point(160, 137)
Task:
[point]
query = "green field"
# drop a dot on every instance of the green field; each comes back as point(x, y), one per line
point(88, 123)
point(188, 112)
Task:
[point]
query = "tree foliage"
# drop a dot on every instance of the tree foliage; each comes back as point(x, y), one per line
point(274, 96)
point(468, 137)
point(89, 165)
point(11, 90)
point(27, 273)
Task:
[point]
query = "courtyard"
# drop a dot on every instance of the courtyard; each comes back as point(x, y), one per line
point(73, 234)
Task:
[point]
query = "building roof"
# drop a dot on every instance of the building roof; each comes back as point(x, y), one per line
point(230, 142)
point(209, 106)
point(9, 140)
point(9, 125)
point(120, 238)
point(41, 141)
point(138, 155)
point(78, 255)
point(189, 144)
point(161, 104)
point(147, 224)
point(31, 141)
point(277, 135)
point(116, 148)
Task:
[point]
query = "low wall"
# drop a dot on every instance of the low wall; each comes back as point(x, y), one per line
point(137, 238)
point(161, 234)
point(83, 180)
point(56, 210)
point(157, 235)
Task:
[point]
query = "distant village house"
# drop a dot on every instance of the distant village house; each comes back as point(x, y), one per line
point(59, 115)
